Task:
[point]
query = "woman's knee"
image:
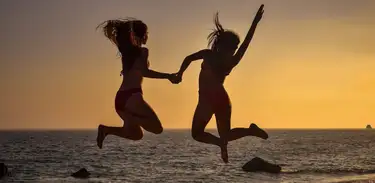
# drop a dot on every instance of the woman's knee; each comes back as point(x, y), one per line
point(154, 130)
point(157, 129)
point(196, 133)
point(138, 136)
point(135, 136)
point(199, 124)
point(153, 127)
point(133, 132)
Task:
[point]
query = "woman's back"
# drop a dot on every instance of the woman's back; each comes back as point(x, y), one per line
point(132, 77)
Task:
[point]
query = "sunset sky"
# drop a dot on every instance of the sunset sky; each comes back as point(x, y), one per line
point(311, 63)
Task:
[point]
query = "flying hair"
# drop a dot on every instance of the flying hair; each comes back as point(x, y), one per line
point(111, 29)
point(215, 34)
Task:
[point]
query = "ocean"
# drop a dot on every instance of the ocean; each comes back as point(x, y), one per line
point(173, 156)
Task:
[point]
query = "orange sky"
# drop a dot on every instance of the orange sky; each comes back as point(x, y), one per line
point(311, 64)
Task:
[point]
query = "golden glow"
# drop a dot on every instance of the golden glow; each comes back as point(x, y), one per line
point(311, 72)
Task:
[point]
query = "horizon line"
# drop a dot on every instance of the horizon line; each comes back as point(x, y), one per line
point(92, 129)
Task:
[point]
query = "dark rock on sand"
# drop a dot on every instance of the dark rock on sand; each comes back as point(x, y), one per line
point(3, 170)
point(82, 174)
point(260, 165)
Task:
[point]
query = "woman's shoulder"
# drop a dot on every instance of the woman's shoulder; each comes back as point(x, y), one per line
point(209, 55)
point(206, 52)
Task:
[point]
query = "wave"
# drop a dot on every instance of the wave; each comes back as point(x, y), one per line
point(329, 171)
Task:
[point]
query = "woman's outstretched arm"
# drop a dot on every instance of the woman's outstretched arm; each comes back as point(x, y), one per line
point(156, 75)
point(149, 73)
point(193, 57)
point(245, 44)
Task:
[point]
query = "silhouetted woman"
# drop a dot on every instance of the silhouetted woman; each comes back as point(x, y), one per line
point(217, 63)
point(129, 35)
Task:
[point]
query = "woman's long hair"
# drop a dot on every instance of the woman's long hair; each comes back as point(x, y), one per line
point(126, 35)
point(220, 34)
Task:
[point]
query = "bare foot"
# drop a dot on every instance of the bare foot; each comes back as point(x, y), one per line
point(258, 132)
point(101, 136)
point(224, 153)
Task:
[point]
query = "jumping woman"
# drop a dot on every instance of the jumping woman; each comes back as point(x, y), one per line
point(129, 35)
point(217, 63)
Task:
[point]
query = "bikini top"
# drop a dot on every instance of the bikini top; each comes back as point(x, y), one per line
point(218, 68)
point(136, 62)
point(122, 71)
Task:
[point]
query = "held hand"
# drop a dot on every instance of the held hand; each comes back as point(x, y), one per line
point(259, 14)
point(175, 78)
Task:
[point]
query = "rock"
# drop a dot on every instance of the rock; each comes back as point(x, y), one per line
point(82, 174)
point(260, 165)
point(3, 170)
point(368, 127)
